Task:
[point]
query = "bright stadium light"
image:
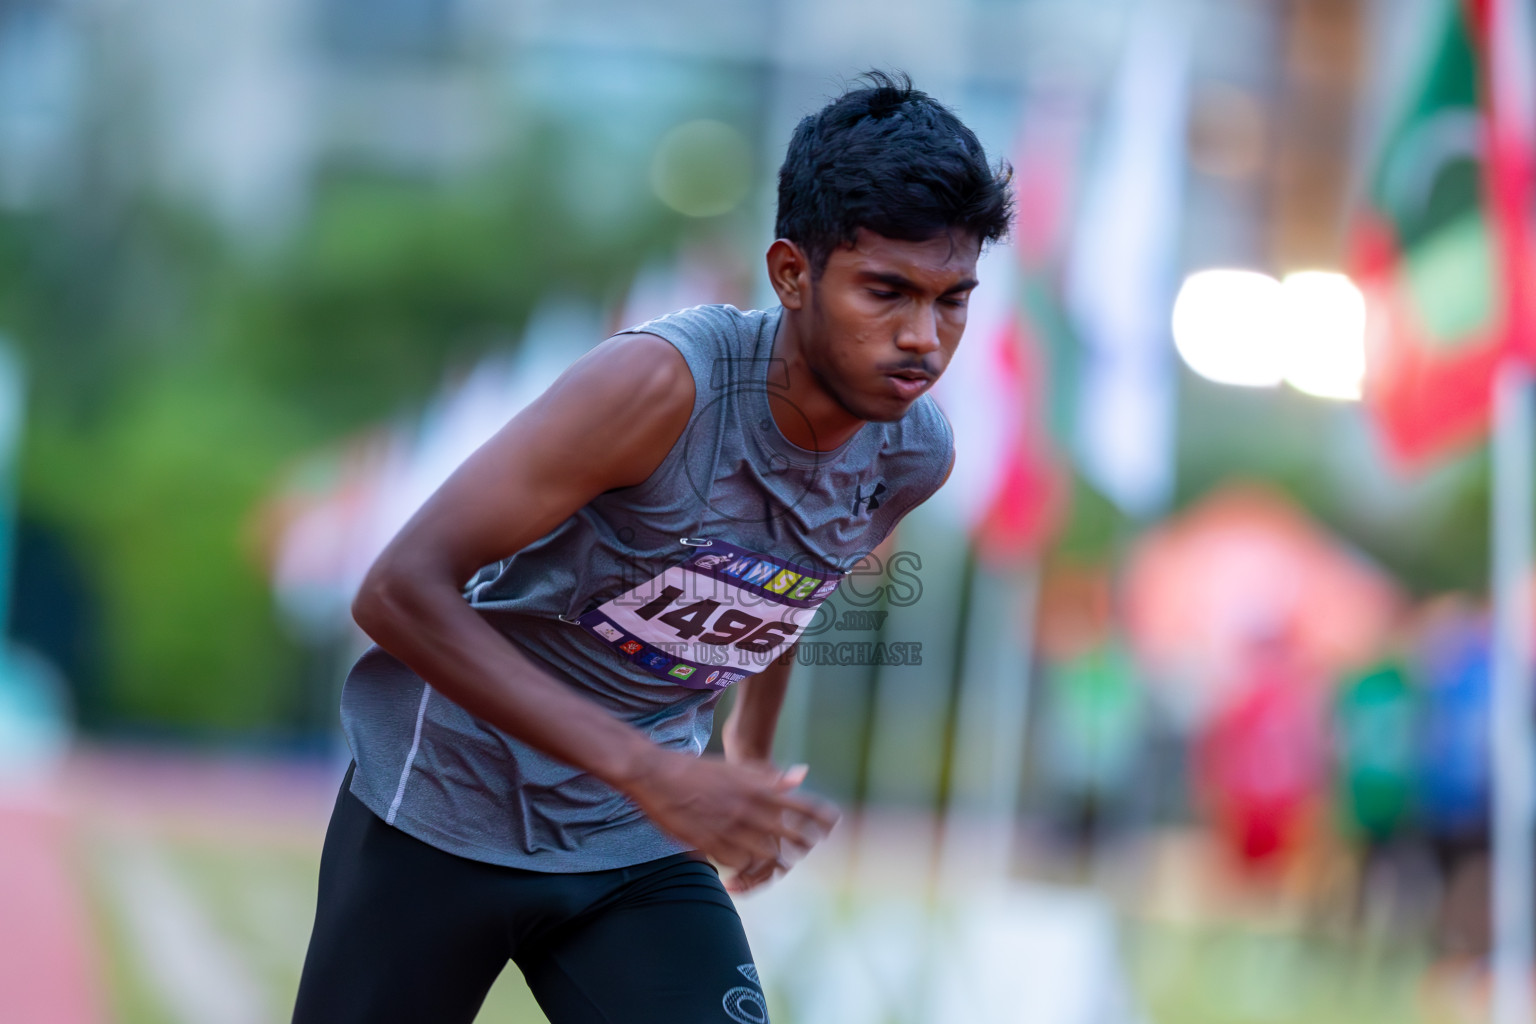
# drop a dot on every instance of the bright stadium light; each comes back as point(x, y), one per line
point(1227, 327)
point(1324, 334)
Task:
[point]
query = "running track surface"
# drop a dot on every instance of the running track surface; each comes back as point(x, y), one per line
point(48, 961)
point(51, 962)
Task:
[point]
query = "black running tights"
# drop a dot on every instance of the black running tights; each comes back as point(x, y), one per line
point(408, 934)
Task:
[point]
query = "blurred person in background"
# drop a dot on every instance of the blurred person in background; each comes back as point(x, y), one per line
point(658, 525)
point(1375, 725)
point(1092, 737)
point(1261, 758)
point(1092, 734)
point(1454, 771)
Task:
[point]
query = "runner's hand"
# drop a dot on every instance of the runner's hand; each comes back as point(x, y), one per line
point(763, 871)
point(741, 816)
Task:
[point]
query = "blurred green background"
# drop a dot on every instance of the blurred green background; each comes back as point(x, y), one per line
point(266, 263)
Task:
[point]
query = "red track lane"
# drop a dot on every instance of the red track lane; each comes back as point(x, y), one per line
point(48, 959)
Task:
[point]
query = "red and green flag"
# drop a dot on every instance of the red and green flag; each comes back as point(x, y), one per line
point(1442, 249)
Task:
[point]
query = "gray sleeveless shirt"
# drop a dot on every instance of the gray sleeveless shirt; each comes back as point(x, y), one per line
point(735, 507)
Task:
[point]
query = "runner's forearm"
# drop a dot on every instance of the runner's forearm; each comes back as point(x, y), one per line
point(430, 627)
point(754, 719)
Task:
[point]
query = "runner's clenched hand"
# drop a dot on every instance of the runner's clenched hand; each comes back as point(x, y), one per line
point(760, 872)
point(740, 816)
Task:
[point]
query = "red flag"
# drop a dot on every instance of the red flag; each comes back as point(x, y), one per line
point(1005, 486)
point(1443, 254)
point(1027, 496)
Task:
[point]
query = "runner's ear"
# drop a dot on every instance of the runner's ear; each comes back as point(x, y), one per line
point(789, 271)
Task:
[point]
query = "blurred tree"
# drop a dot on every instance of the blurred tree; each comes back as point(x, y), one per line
point(1430, 530)
point(175, 373)
point(391, 280)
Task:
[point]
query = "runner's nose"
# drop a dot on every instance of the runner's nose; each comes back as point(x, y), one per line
point(920, 330)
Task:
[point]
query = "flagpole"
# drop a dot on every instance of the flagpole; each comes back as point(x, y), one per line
point(1513, 1001)
point(1512, 124)
point(976, 833)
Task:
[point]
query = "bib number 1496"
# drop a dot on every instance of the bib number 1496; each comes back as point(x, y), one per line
point(732, 626)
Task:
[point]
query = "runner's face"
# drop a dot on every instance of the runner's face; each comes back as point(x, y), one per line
point(887, 316)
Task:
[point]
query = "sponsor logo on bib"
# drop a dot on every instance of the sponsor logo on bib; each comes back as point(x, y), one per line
point(802, 590)
point(783, 581)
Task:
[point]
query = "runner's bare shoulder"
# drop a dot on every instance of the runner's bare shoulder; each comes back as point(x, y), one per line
point(607, 422)
point(620, 407)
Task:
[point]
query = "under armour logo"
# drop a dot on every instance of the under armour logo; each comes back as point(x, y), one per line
point(871, 501)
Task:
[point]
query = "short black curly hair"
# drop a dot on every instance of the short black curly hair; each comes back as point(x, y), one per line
point(888, 158)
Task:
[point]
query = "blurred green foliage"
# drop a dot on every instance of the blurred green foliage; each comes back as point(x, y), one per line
point(1427, 525)
point(174, 373)
point(176, 370)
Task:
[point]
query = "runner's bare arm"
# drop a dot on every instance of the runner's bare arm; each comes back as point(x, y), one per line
point(607, 422)
point(748, 739)
point(754, 719)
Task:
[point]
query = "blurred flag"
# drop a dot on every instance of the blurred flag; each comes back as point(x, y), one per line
point(1442, 246)
point(1008, 486)
point(1005, 486)
point(1025, 503)
point(339, 510)
point(1120, 275)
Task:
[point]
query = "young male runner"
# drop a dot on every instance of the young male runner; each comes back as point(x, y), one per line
point(660, 524)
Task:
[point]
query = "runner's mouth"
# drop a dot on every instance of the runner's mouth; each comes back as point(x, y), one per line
point(908, 385)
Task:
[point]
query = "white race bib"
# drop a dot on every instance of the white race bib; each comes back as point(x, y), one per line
point(715, 619)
